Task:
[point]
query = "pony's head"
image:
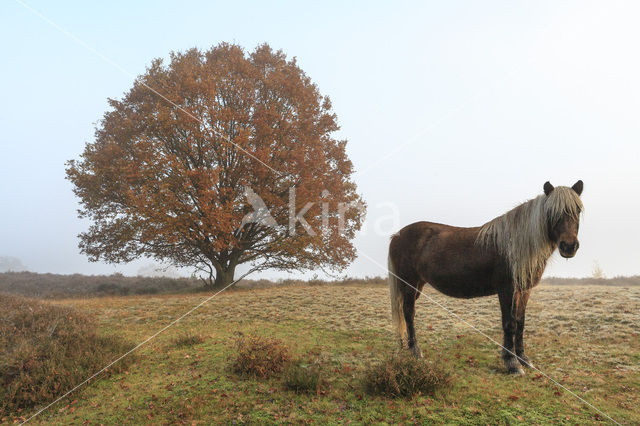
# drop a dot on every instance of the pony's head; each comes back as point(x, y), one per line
point(563, 206)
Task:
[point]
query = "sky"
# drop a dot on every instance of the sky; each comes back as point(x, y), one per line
point(454, 111)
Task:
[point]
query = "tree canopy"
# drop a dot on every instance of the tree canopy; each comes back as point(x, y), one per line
point(179, 166)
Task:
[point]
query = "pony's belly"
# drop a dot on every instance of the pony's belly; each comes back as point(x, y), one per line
point(464, 289)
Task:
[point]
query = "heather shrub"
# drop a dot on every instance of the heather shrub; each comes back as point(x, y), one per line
point(259, 356)
point(46, 350)
point(402, 375)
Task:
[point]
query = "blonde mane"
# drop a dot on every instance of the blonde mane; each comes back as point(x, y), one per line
point(521, 234)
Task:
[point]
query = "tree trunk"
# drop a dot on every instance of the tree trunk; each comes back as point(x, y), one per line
point(224, 277)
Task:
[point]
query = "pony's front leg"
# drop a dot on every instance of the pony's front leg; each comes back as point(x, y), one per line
point(519, 340)
point(509, 328)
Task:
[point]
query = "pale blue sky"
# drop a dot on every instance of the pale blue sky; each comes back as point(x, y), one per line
point(487, 101)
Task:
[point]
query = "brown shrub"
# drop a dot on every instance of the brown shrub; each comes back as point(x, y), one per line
point(46, 350)
point(259, 356)
point(402, 375)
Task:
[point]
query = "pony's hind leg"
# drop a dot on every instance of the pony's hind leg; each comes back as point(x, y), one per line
point(403, 301)
point(409, 309)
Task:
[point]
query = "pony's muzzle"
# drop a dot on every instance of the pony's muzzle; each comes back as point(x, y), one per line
point(568, 250)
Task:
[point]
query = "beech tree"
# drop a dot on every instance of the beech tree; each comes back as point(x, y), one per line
point(216, 159)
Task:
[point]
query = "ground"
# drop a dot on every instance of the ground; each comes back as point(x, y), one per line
point(585, 337)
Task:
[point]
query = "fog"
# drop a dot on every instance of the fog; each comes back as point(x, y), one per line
point(454, 111)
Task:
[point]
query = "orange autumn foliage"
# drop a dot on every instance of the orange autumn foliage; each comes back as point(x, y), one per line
point(167, 174)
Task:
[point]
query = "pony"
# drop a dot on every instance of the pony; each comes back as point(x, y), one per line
point(505, 256)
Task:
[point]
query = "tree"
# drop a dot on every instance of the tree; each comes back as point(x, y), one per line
point(11, 264)
point(177, 167)
point(597, 271)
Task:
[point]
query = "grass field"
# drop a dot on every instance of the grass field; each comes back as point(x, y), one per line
point(586, 337)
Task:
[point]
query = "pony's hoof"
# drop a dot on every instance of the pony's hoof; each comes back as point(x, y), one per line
point(516, 371)
point(526, 362)
point(417, 352)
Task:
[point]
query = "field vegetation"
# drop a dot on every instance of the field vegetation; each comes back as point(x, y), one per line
point(585, 337)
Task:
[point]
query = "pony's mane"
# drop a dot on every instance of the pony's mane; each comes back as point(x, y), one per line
point(521, 234)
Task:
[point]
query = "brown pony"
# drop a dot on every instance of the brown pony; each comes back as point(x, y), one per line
point(506, 256)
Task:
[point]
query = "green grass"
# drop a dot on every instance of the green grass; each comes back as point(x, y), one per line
point(301, 377)
point(346, 330)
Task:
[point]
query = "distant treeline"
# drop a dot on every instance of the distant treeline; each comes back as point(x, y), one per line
point(45, 286)
point(615, 281)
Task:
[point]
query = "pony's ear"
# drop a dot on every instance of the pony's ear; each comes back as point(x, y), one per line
point(548, 188)
point(578, 187)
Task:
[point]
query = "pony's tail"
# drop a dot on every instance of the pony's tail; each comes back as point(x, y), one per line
point(397, 304)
